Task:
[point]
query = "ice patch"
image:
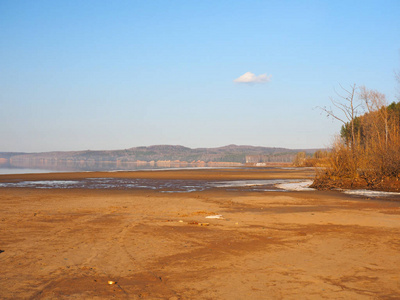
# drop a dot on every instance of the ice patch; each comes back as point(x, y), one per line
point(244, 183)
point(49, 182)
point(214, 217)
point(41, 184)
point(296, 186)
point(369, 193)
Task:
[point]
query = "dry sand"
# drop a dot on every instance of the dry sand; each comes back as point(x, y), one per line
point(68, 243)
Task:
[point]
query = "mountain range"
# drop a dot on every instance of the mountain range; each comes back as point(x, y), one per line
point(230, 153)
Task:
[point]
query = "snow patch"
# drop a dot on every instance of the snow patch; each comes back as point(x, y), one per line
point(296, 186)
point(369, 193)
point(214, 217)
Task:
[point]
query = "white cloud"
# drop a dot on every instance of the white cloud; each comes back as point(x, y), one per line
point(249, 77)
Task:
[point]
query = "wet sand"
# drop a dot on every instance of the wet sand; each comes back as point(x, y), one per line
point(68, 243)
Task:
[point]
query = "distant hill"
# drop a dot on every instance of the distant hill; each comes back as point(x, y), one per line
point(230, 153)
point(7, 155)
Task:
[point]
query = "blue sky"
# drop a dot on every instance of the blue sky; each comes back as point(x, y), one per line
point(77, 75)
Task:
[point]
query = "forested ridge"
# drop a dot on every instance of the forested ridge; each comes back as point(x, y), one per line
point(230, 153)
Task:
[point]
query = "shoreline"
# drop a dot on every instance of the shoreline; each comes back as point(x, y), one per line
point(205, 175)
point(328, 183)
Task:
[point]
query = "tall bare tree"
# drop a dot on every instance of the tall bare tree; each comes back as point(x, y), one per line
point(347, 109)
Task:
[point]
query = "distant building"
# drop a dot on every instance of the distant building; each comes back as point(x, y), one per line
point(262, 158)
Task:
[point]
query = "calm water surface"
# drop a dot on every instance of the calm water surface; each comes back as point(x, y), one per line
point(24, 171)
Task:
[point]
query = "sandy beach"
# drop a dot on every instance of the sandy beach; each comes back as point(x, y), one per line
point(139, 242)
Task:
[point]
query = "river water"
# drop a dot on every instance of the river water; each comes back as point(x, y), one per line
point(24, 171)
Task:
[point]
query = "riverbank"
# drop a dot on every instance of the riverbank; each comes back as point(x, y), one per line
point(326, 182)
point(275, 244)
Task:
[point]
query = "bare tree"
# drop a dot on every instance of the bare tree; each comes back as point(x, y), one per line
point(300, 159)
point(348, 109)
